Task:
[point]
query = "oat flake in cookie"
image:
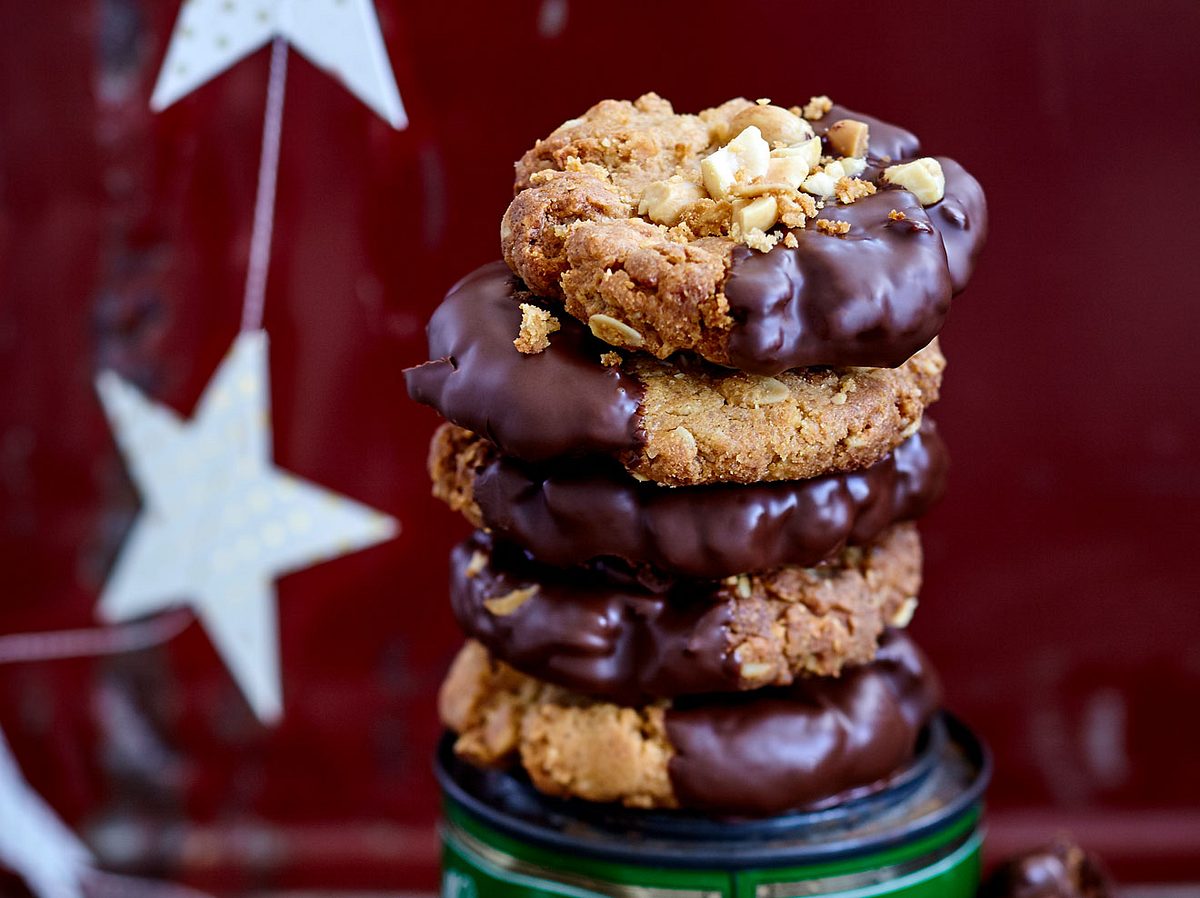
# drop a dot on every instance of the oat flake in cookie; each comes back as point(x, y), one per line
point(759, 237)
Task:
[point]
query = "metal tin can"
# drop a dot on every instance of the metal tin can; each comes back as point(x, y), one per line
point(917, 836)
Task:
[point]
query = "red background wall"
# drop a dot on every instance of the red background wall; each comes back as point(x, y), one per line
point(1061, 600)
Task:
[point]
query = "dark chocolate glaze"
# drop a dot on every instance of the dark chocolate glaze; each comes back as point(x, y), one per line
point(961, 219)
point(575, 512)
point(872, 297)
point(768, 751)
point(562, 401)
point(593, 635)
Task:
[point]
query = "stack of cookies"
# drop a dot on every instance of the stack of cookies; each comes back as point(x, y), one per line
point(687, 416)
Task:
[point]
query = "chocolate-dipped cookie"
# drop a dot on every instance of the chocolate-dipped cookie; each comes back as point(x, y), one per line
point(576, 511)
point(684, 423)
point(750, 754)
point(760, 238)
point(617, 640)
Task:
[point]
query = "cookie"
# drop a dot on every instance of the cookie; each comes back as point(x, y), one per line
point(681, 424)
point(576, 511)
point(751, 754)
point(748, 234)
point(603, 637)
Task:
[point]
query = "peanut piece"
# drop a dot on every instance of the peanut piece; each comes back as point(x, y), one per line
point(819, 184)
point(663, 202)
point(835, 169)
point(755, 215)
point(789, 166)
point(848, 137)
point(853, 166)
point(923, 178)
point(742, 159)
point(811, 149)
point(777, 126)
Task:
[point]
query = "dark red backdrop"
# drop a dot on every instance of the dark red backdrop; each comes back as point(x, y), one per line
point(1061, 599)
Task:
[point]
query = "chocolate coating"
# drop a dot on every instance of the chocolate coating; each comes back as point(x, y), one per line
point(870, 298)
point(592, 636)
point(1058, 870)
point(609, 636)
point(575, 512)
point(769, 751)
point(559, 402)
point(961, 219)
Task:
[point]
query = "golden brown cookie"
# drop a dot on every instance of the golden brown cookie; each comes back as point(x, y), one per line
point(752, 235)
point(611, 636)
point(754, 754)
point(675, 423)
point(706, 426)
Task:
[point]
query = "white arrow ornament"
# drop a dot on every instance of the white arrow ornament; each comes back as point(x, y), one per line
point(340, 36)
point(220, 521)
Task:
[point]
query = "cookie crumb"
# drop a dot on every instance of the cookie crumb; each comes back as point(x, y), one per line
point(536, 327)
point(816, 108)
point(790, 241)
point(681, 233)
point(850, 189)
point(610, 359)
point(795, 209)
point(760, 240)
point(896, 215)
point(833, 226)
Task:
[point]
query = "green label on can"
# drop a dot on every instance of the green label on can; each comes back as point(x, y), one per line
point(481, 863)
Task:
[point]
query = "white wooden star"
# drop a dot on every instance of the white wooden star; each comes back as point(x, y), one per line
point(219, 521)
point(340, 36)
point(33, 841)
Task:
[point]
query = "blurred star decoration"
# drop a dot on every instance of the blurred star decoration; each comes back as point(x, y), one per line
point(33, 841)
point(220, 521)
point(340, 36)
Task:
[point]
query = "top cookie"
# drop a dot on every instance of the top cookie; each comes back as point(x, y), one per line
point(760, 238)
